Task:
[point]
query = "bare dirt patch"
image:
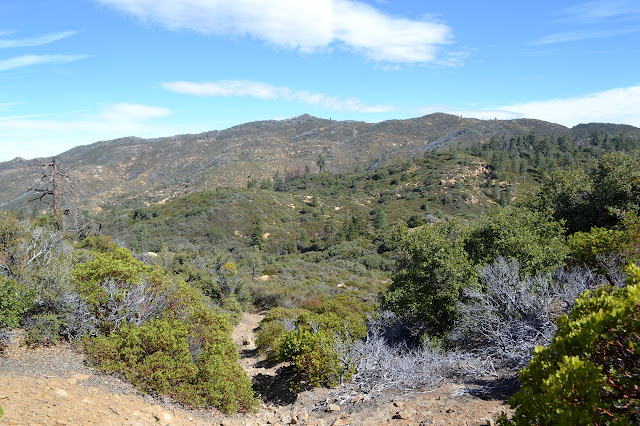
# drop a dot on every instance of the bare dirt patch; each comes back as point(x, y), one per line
point(54, 386)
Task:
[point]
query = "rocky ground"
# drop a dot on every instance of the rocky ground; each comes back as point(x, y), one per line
point(52, 386)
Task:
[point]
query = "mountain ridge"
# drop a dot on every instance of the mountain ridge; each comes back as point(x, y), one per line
point(157, 169)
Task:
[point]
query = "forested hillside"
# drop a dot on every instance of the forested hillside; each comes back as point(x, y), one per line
point(455, 263)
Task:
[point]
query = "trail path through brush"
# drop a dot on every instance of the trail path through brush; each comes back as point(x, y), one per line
point(53, 386)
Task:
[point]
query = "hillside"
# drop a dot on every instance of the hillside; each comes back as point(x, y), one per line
point(131, 170)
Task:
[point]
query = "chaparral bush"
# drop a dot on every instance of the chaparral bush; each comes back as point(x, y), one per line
point(590, 373)
point(159, 333)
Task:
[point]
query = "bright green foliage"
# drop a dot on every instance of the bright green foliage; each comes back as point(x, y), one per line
point(432, 271)
point(623, 241)
point(564, 195)
point(178, 348)
point(310, 343)
point(587, 247)
point(594, 199)
point(14, 301)
point(314, 355)
point(118, 265)
point(589, 374)
point(272, 326)
point(530, 237)
point(193, 362)
point(616, 187)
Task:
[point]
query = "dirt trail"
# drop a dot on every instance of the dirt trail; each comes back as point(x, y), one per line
point(52, 386)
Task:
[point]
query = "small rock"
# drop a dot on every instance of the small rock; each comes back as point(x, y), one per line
point(72, 381)
point(61, 392)
point(357, 398)
point(451, 410)
point(294, 420)
point(399, 404)
point(333, 407)
point(88, 401)
point(339, 422)
point(226, 422)
point(80, 377)
point(163, 417)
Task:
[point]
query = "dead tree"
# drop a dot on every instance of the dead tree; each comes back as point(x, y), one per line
point(53, 182)
point(56, 182)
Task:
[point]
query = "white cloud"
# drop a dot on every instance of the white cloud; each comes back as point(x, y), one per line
point(35, 41)
point(602, 10)
point(619, 106)
point(583, 35)
point(266, 91)
point(598, 19)
point(27, 60)
point(482, 114)
point(40, 136)
point(303, 25)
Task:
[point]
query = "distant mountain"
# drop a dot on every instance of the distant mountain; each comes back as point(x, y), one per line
point(152, 170)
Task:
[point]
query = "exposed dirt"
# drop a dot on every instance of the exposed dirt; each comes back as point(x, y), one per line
point(53, 386)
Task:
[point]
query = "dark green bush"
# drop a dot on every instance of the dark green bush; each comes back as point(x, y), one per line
point(589, 374)
point(14, 301)
point(44, 329)
point(192, 361)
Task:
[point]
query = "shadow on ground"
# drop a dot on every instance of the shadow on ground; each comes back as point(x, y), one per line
point(277, 389)
point(501, 388)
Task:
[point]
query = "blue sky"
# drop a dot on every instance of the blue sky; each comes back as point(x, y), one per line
point(77, 71)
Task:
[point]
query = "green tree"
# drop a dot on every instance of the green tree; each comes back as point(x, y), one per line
point(531, 237)
point(257, 234)
point(433, 269)
point(379, 218)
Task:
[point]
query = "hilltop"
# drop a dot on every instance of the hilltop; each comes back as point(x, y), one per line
point(131, 170)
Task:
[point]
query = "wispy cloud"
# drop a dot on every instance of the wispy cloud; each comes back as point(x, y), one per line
point(35, 41)
point(306, 26)
point(601, 11)
point(27, 60)
point(266, 91)
point(583, 35)
point(37, 135)
point(620, 106)
point(595, 20)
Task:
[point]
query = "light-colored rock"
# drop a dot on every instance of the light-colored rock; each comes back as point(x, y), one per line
point(61, 392)
point(80, 377)
point(333, 407)
point(226, 422)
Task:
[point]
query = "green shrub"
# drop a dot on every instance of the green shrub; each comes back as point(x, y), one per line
point(14, 301)
point(589, 374)
point(44, 329)
point(314, 356)
point(193, 362)
point(587, 247)
point(531, 237)
point(272, 326)
point(432, 271)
